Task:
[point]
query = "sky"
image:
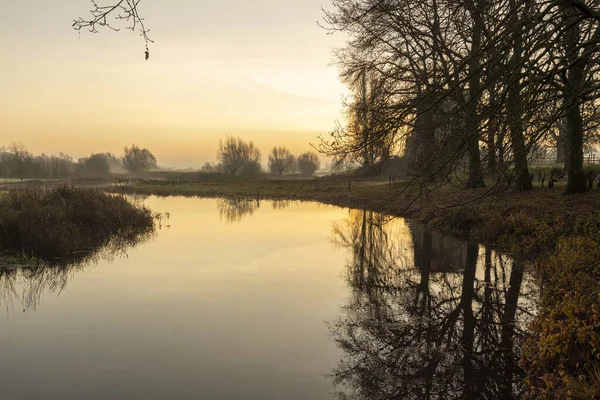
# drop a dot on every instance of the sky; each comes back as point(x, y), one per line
point(258, 69)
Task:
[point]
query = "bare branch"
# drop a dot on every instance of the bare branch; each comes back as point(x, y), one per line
point(104, 16)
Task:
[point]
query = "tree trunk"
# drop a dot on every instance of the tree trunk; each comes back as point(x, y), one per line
point(515, 106)
point(508, 328)
point(492, 165)
point(576, 182)
point(500, 147)
point(468, 337)
point(561, 144)
point(473, 118)
point(421, 144)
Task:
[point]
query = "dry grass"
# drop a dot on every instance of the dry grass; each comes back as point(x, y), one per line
point(64, 223)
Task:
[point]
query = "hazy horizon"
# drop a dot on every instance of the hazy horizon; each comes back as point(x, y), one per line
point(259, 71)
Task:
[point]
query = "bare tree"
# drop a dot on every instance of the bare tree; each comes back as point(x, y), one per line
point(367, 137)
point(239, 157)
point(308, 163)
point(136, 159)
point(281, 160)
point(424, 53)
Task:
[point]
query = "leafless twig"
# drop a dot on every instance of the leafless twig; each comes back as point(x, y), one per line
point(122, 10)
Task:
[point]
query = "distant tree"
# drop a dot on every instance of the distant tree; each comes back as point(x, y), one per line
point(114, 163)
point(281, 160)
point(136, 159)
point(340, 165)
point(61, 166)
point(4, 158)
point(19, 161)
point(308, 163)
point(94, 166)
point(210, 168)
point(251, 168)
point(238, 157)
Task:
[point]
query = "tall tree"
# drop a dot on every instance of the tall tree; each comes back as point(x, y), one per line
point(474, 71)
point(573, 87)
point(515, 97)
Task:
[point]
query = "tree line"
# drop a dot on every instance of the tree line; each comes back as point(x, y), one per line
point(17, 162)
point(235, 157)
point(472, 84)
point(238, 157)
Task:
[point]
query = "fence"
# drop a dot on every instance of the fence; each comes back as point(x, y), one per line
point(589, 159)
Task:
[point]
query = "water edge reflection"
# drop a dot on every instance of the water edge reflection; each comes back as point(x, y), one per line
point(234, 210)
point(430, 316)
point(24, 285)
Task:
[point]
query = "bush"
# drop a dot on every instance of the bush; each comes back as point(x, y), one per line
point(65, 223)
point(563, 349)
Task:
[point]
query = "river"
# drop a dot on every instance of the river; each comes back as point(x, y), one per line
point(270, 300)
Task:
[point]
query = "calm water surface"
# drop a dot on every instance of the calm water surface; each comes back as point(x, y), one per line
point(280, 301)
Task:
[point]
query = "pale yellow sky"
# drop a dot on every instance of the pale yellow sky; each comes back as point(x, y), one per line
point(257, 69)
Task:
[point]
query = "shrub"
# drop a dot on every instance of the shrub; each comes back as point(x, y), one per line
point(563, 349)
point(65, 223)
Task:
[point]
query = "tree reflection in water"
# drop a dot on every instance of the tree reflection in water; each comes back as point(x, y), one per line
point(236, 209)
point(430, 316)
point(24, 286)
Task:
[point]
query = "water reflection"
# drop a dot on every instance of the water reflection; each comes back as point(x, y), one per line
point(23, 286)
point(234, 210)
point(430, 316)
point(280, 204)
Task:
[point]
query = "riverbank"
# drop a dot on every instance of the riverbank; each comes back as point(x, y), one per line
point(557, 235)
point(518, 223)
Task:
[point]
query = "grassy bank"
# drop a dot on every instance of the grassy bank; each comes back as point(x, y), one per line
point(65, 224)
point(527, 225)
point(557, 235)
